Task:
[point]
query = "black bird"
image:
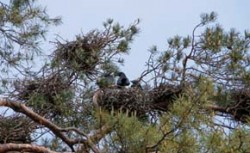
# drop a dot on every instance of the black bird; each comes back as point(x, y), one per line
point(136, 84)
point(122, 80)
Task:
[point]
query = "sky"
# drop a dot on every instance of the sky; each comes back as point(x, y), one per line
point(160, 20)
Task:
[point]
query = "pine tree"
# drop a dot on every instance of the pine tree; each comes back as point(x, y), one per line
point(193, 96)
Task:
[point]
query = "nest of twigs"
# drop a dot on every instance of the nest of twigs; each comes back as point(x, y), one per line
point(239, 108)
point(131, 100)
point(139, 101)
point(16, 129)
point(45, 95)
point(81, 55)
point(164, 95)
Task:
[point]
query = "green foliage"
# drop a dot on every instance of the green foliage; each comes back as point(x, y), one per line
point(23, 24)
point(185, 128)
point(207, 18)
point(234, 141)
point(129, 134)
point(56, 105)
point(209, 68)
point(213, 38)
point(222, 56)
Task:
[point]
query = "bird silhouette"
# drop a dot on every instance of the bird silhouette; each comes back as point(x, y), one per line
point(122, 80)
point(136, 84)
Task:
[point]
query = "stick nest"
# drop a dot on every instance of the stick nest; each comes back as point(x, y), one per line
point(239, 108)
point(81, 55)
point(16, 129)
point(49, 95)
point(136, 100)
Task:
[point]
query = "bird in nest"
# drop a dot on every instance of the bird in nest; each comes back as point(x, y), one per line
point(122, 80)
point(136, 84)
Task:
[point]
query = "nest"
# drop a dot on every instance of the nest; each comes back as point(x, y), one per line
point(81, 55)
point(122, 99)
point(16, 129)
point(164, 95)
point(44, 94)
point(139, 101)
point(240, 107)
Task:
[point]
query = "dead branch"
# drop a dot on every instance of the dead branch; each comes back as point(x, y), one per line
point(217, 108)
point(4, 148)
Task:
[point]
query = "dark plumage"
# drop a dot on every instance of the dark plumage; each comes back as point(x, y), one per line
point(122, 80)
point(136, 84)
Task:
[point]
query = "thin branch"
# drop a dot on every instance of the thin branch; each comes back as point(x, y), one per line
point(185, 60)
point(73, 129)
point(217, 108)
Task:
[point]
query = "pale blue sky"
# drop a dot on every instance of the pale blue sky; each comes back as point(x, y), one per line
point(160, 20)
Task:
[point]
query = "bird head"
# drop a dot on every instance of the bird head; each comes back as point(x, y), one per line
point(120, 74)
point(135, 81)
